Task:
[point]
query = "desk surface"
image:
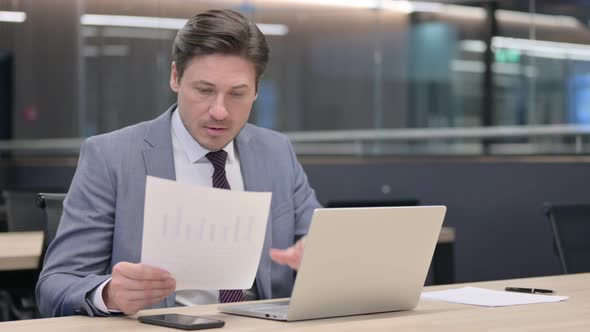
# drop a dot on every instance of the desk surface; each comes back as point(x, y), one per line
point(20, 250)
point(571, 315)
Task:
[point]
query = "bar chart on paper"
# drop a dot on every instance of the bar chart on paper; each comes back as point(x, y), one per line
point(199, 240)
point(236, 230)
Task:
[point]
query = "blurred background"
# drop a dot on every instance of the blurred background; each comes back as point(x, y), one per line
point(79, 68)
point(483, 106)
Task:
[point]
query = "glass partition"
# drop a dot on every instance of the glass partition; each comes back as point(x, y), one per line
point(376, 77)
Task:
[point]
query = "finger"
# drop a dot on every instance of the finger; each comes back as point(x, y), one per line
point(301, 241)
point(131, 284)
point(278, 255)
point(300, 245)
point(290, 256)
point(282, 256)
point(140, 271)
point(132, 307)
point(297, 250)
point(145, 295)
point(294, 261)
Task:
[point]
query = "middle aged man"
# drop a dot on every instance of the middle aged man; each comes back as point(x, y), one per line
point(93, 265)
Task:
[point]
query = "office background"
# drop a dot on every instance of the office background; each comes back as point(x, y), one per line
point(479, 105)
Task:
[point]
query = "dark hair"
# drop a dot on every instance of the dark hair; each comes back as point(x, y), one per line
point(220, 31)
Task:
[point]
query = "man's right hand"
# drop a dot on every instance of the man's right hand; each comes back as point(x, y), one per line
point(136, 286)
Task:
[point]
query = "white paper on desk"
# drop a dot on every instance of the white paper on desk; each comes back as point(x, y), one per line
point(488, 297)
point(206, 238)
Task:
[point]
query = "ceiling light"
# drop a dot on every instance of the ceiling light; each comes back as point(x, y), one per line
point(558, 21)
point(531, 47)
point(133, 21)
point(163, 23)
point(16, 17)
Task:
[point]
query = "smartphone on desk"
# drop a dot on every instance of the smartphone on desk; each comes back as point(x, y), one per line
point(183, 322)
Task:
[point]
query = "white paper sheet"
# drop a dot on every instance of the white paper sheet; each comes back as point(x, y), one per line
point(206, 238)
point(488, 297)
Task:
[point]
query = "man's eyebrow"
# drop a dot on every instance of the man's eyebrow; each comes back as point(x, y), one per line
point(240, 86)
point(203, 82)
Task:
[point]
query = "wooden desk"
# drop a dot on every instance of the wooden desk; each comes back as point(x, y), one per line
point(572, 315)
point(20, 250)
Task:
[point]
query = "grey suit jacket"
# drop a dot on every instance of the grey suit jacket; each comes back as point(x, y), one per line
point(102, 221)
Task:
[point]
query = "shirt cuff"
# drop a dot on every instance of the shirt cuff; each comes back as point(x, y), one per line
point(97, 300)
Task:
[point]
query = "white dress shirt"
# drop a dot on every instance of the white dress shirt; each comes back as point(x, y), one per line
point(190, 166)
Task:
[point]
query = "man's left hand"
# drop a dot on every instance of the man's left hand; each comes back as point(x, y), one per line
point(290, 256)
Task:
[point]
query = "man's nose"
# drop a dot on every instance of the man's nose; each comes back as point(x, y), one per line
point(217, 109)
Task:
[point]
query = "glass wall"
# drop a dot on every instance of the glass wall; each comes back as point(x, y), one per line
point(80, 68)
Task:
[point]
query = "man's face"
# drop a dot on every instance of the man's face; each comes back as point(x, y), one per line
point(215, 96)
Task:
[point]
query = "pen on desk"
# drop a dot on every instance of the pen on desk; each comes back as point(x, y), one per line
point(529, 290)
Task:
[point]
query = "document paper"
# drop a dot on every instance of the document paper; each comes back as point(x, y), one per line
point(488, 298)
point(206, 238)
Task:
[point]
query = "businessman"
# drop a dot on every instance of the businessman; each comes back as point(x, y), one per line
point(93, 266)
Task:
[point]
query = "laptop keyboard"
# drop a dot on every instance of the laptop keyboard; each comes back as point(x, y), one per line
point(275, 308)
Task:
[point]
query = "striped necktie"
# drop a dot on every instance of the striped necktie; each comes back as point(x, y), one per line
point(217, 159)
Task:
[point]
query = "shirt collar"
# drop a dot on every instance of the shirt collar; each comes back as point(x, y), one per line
point(194, 151)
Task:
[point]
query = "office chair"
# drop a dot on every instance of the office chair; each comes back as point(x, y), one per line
point(3, 222)
point(19, 296)
point(52, 206)
point(570, 224)
point(5, 306)
point(20, 217)
point(23, 304)
point(18, 293)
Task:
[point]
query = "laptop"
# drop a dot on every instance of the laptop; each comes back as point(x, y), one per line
point(358, 261)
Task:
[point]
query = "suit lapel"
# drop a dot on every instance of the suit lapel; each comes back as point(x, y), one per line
point(159, 158)
point(254, 170)
point(255, 174)
point(158, 155)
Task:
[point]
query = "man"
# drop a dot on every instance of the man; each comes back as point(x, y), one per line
point(93, 265)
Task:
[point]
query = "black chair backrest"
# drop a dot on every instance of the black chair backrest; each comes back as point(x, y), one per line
point(52, 205)
point(20, 214)
point(570, 224)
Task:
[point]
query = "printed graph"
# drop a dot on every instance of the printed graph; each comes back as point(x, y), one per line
point(231, 230)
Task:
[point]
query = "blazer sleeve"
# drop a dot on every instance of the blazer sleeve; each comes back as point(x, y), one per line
point(304, 198)
point(79, 257)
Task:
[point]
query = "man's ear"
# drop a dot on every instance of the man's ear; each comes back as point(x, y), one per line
point(174, 78)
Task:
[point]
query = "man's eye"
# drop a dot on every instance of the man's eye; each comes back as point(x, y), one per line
point(237, 94)
point(205, 91)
